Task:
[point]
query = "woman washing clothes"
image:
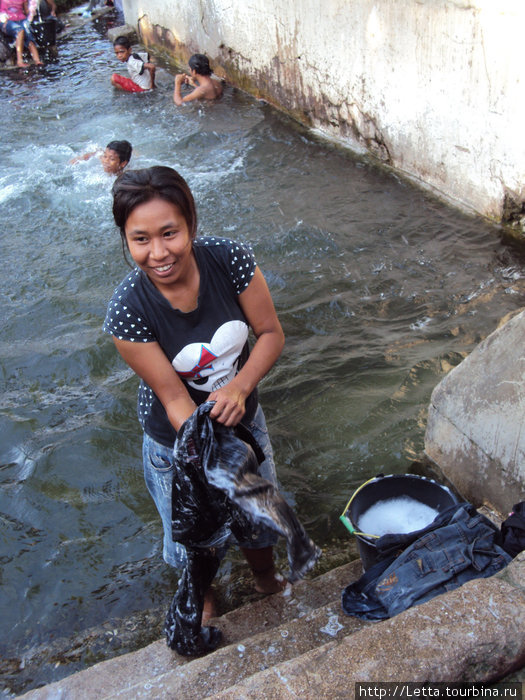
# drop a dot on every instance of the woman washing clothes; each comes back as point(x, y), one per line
point(181, 321)
point(14, 24)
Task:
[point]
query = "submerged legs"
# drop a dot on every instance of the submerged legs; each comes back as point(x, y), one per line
point(263, 568)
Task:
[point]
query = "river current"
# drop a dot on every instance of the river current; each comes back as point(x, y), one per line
point(380, 288)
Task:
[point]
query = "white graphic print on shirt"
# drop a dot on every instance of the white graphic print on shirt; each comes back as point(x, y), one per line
point(208, 366)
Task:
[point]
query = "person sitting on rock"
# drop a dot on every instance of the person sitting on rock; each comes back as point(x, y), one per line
point(205, 87)
point(14, 24)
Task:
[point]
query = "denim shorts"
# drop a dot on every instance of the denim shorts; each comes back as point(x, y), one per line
point(11, 28)
point(158, 474)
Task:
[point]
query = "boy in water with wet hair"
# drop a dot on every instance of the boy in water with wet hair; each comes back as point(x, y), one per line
point(140, 69)
point(116, 156)
point(206, 88)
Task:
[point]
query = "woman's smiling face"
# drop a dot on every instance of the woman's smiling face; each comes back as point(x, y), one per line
point(159, 242)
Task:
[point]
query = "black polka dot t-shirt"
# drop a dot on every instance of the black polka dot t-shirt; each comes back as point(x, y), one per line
point(206, 346)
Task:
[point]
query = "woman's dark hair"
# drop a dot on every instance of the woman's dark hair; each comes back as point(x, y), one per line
point(122, 41)
point(122, 148)
point(135, 187)
point(200, 64)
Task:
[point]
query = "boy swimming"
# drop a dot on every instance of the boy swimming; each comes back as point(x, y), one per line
point(114, 159)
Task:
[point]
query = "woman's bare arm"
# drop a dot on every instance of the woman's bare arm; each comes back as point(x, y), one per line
point(151, 364)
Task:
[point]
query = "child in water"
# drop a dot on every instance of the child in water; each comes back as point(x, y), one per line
point(206, 88)
point(140, 69)
point(116, 156)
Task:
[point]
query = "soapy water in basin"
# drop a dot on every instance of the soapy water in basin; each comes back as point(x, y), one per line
point(396, 516)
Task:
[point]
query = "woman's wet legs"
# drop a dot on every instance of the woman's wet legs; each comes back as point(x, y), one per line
point(265, 575)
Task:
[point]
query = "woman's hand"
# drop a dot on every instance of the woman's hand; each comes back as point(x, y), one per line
point(229, 406)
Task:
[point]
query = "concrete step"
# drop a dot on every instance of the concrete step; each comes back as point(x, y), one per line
point(238, 661)
point(473, 634)
point(147, 667)
point(301, 645)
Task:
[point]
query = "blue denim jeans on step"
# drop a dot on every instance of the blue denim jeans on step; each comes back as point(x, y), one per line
point(459, 546)
point(158, 474)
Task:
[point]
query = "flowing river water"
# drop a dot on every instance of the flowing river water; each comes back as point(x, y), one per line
point(381, 289)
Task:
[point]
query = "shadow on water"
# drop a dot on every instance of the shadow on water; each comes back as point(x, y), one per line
point(381, 290)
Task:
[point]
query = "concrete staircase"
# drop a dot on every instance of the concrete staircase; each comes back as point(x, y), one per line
point(301, 645)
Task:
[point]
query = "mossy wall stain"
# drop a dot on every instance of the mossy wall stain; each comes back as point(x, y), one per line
point(390, 90)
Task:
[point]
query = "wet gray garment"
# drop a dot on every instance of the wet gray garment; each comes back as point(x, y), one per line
point(217, 491)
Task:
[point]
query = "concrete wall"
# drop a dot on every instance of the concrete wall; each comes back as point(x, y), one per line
point(475, 428)
point(434, 88)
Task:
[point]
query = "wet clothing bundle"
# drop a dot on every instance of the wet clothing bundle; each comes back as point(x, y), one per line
point(218, 492)
point(512, 536)
point(458, 546)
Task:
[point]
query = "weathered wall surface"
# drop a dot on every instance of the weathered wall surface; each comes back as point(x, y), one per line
point(475, 428)
point(434, 88)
